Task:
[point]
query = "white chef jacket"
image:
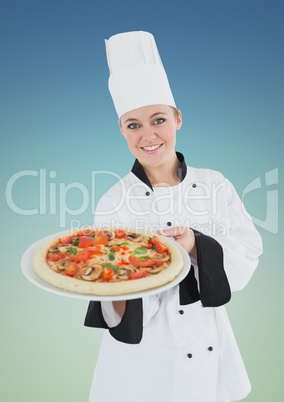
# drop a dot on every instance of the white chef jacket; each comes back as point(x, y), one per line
point(177, 346)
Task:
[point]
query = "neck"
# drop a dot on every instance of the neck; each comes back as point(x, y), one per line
point(164, 175)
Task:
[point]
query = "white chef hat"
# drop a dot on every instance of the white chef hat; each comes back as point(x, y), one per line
point(137, 76)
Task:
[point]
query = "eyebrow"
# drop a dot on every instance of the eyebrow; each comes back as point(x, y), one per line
point(153, 115)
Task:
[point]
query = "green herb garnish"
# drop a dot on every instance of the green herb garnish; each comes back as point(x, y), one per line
point(72, 250)
point(108, 265)
point(140, 250)
point(75, 241)
point(111, 257)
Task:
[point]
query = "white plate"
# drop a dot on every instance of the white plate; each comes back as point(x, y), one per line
point(28, 271)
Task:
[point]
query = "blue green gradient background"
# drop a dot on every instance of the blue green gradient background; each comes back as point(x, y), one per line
point(224, 60)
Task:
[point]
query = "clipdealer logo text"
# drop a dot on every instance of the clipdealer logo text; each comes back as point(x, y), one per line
point(53, 196)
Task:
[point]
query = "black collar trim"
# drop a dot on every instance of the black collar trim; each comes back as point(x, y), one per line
point(139, 171)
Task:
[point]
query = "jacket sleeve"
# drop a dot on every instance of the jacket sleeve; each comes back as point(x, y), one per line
point(150, 305)
point(111, 317)
point(227, 260)
point(241, 245)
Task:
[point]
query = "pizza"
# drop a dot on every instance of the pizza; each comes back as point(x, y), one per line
point(108, 262)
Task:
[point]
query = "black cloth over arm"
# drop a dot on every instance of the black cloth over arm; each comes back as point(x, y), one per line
point(188, 289)
point(214, 289)
point(214, 286)
point(129, 330)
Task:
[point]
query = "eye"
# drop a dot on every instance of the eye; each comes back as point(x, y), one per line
point(133, 126)
point(159, 121)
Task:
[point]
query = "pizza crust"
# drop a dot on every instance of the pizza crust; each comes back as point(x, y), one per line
point(108, 288)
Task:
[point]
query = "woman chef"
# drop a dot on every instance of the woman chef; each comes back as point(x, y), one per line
point(178, 345)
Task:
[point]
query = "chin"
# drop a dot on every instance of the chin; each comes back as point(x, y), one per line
point(152, 164)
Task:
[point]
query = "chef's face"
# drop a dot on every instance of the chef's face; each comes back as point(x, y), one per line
point(150, 132)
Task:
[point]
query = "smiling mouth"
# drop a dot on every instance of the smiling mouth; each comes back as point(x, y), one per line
point(152, 148)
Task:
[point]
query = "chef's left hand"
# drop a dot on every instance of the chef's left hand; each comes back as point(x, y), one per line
point(184, 236)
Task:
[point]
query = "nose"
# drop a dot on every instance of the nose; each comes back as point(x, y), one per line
point(149, 134)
